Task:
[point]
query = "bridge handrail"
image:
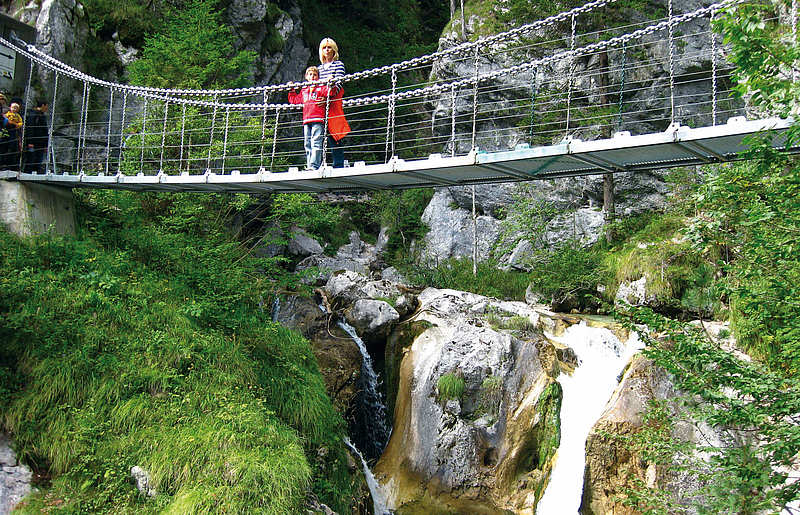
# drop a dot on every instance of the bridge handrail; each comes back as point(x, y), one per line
point(164, 95)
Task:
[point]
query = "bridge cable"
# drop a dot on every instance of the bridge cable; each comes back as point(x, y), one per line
point(463, 22)
point(453, 120)
point(25, 115)
point(121, 129)
point(163, 138)
point(211, 138)
point(475, 97)
point(275, 140)
point(794, 35)
point(144, 123)
point(390, 118)
point(183, 135)
point(325, 128)
point(671, 64)
point(50, 147)
point(225, 137)
point(571, 72)
point(263, 135)
point(713, 68)
point(84, 117)
point(534, 91)
point(108, 132)
point(622, 85)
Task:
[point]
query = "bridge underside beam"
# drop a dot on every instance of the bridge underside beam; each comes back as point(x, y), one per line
point(679, 146)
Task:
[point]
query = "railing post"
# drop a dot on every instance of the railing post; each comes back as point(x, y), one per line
point(122, 129)
point(110, 119)
point(51, 151)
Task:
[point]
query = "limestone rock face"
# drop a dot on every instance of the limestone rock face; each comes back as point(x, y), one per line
point(490, 449)
point(142, 480)
point(302, 244)
point(276, 36)
point(451, 234)
point(15, 478)
point(610, 466)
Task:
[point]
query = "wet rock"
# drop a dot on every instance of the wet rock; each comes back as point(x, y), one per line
point(356, 256)
point(468, 453)
point(372, 318)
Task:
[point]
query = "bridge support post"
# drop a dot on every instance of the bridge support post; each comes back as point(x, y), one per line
point(30, 209)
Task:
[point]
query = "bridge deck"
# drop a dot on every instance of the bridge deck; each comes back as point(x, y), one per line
point(678, 146)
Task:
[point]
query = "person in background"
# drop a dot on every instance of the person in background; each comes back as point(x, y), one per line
point(3, 103)
point(331, 68)
point(313, 98)
point(36, 137)
point(9, 141)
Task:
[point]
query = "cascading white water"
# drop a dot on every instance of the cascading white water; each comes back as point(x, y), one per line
point(378, 499)
point(601, 358)
point(377, 432)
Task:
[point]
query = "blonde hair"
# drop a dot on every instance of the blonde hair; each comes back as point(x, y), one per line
point(311, 69)
point(332, 43)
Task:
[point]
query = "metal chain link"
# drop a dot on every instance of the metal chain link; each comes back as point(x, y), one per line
point(390, 119)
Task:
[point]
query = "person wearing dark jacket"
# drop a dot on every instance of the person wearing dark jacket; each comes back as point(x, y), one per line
point(36, 138)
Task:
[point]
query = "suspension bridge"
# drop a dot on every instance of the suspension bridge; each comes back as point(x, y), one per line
point(560, 97)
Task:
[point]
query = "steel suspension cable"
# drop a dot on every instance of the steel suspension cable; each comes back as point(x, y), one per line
point(51, 151)
point(108, 132)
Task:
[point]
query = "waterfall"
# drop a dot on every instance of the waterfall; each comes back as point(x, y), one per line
point(374, 430)
point(276, 307)
point(378, 499)
point(585, 393)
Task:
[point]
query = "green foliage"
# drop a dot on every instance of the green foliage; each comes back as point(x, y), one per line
point(733, 396)
point(450, 386)
point(456, 274)
point(401, 212)
point(194, 49)
point(152, 320)
point(569, 275)
point(490, 396)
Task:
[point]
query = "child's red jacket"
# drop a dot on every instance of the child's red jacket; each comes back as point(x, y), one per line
point(313, 100)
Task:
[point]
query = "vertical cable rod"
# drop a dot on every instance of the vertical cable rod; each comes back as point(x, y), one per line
point(275, 140)
point(622, 85)
point(163, 138)
point(571, 71)
point(453, 120)
point(80, 129)
point(263, 134)
point(122, 130)
point(475, 98)
point(110, 121)
point(713, 69)
point(144, 123)
point(211, 136)
point(51, 151)
point(25, 115)
point(534, 91)
point(183, 134)
point(671, 65)
point(225, 138)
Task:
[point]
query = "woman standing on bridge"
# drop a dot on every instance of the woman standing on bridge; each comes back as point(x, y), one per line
point(331, 68)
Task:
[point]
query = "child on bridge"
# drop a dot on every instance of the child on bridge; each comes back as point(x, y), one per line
point(313, 99)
